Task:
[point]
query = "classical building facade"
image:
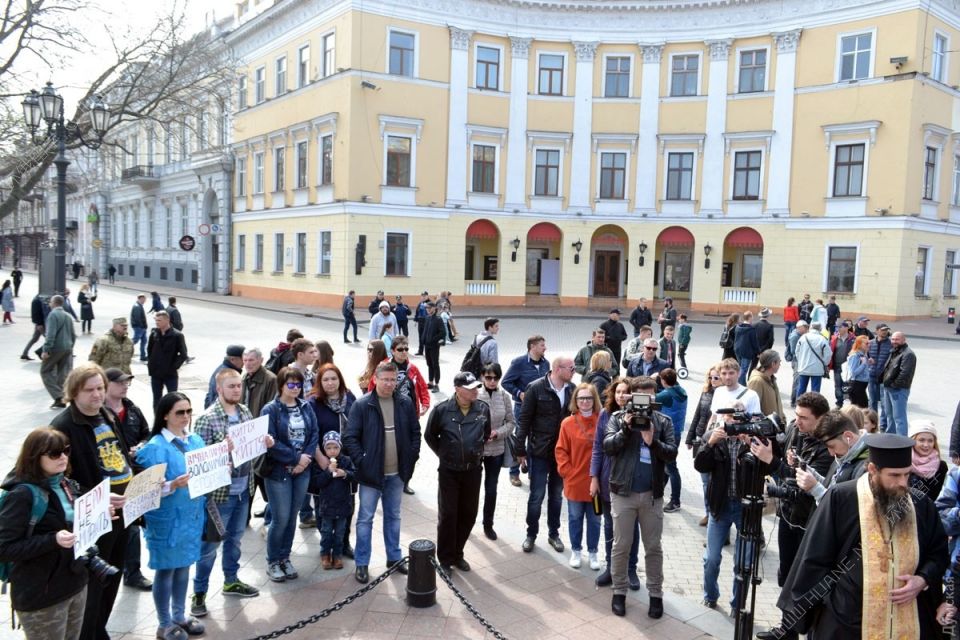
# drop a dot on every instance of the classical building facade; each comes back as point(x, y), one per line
point(722, 153)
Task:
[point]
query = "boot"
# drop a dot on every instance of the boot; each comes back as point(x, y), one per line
point(326, 561)
point(337, 562)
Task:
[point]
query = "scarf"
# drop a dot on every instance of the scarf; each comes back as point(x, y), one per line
point(883, 620)
point(926, 466)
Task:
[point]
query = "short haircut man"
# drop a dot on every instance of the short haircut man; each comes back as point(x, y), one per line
point(490, 322)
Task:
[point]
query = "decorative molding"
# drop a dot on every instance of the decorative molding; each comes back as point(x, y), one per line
point(623, 139)
point(663, 139)
point(520, 47)
point(747, 136)
point(867, 126)
point(393, 123)
point(719, 49)
point(585, 51)
point(492, 132)
point(460, 38)
point(935, 135)
point(326, 122)
point(652, 53)
point(787, 41)
point(549, 137)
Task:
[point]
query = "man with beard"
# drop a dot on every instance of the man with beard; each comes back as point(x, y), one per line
point(869, 554)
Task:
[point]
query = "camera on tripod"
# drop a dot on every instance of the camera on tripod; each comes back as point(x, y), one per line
point(638, 411)
point(751, 424)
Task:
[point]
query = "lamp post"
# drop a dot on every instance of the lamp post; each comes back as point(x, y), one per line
point(706, 250)
point(48, 106)
point(643, 250)
point(578, 246)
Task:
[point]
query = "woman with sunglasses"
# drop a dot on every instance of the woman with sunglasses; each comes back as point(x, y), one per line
point(48, 587)
point(698, 425)
point(174, 530)
point(376, 353)
point(286, 469)
point(502, 425)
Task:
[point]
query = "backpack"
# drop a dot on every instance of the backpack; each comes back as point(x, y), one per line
point(36, 512)
point(471, 361)
point(726, 340)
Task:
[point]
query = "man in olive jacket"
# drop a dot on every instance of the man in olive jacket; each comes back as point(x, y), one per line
point(57, 351)
point(114, 349)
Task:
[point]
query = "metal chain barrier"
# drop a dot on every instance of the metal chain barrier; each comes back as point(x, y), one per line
point(463, 600)
point(334, 607)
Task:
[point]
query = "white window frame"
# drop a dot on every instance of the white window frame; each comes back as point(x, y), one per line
point(303, 75)
point(564, 74)
point(955, 197)
point(699, 54)
point(241, 252)
point(329, 65)
point(279, 179)
point(408, 264)
point(839, 54)
point(298, 177)
point(944, 57)
point(733, 170)
point(667, 150)
point(278, 256)
point(401, 128)
point(533, 170)
point(260, 85)
point(496, 166)
point(603, 71)
point(598, 155)
point(416, 51)
point(935, 188)
point(927, 269)
point(243, 92)
point(856, 264)
point(184, 219)
point(329, 269)
point(258, 251)
point(240, 172)
point(258, 172)
point(297, 257)
point(766, 69)
point(956, 272)
point(277, 92)
point(833, 167)
point(488, 45)
point(321, 164)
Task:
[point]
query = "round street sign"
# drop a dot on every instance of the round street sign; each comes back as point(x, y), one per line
point(216, 228)
point(187, 243)
point(204, 229)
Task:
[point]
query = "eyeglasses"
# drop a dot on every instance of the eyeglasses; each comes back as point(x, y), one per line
point(56, 453)
point(183, 412)
point(294, 385)
point(490, 378)
point(714, 377)
point(585, 399)
point(404, 349)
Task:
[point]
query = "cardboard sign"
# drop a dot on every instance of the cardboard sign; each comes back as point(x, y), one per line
point(209, 468)
point(247, 439)
point(91, 517)
point(143, 493)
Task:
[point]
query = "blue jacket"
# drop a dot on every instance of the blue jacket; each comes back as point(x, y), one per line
point(880, 352)
point(327, 419)
point(637, 365)
point(174, 530)
point(334, 493)
point(949, 508)
point(858, 369)
point(746, 345)
point(363, 440)
point(601, 463)
point(281, 454)
point(521, 372)
point(674, 405)
point(212, 385)
point(402, 311)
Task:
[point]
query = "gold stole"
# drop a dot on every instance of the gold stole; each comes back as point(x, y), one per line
point(883, 620)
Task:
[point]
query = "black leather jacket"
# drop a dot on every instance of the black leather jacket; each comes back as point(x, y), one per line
point(622, 445)
point(458, 439)
point(540, 416)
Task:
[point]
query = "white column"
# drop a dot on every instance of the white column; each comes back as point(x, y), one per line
point(778, 183)
point(457, 119)
point(646, 192)
point(711, 185)
point(516, 196)
point(582, 126)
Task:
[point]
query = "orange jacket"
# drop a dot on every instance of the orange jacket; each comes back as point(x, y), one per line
point(574, 448)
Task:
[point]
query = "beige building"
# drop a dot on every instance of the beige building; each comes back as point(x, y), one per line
point(726, 154)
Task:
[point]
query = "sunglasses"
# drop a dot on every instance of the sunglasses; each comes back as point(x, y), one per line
point(294, 385)
point(585, 399)
point(404, 349)
point(56, 453)
point(183, 412)
point(650, 348)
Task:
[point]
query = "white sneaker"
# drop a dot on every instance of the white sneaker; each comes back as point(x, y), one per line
point(575, 559)
point(594, 562)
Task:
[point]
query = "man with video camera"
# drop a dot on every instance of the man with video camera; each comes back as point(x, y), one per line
point(640, 442)
point(798, 450)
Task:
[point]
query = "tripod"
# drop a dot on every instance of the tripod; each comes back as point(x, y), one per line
point(748, 545)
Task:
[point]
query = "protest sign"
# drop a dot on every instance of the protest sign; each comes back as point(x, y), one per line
point(91, 517)
point(143, 493)
point(209, 468)
point(247, 439)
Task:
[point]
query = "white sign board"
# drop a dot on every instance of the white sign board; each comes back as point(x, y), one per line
point(247, 439)
point(209, 468)
point(143, 493)
point(91, 517)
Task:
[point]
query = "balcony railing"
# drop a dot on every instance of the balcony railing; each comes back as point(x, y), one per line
point(740, 295)
point(480, 287)
point(140, 174)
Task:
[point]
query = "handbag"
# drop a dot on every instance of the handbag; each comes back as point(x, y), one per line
point(262, 466)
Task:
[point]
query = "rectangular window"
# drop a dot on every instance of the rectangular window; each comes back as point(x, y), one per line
point(547, 174)
point(303, 66)
point(841, 269)
point(753, 70)
point(167, 145)
point(848, 171)
point(920, 277)
point(746, 175)
point(279, 168)
point(241, 172)
point(242, 92)
point(950, 274)
point(326, 160)
point(184, 220)
point(184, 140)
point(258, 172)
point(258, 252)
point(326, 253)
point(163, 273)
point(680, 176)
point(136, 229)
point(168, 227)
point(398, 161)
point(488, 68)
point(752, 270)
point(202, 130)
point(939, 62)
point(241, 252)
point(259, 85)
point(855, 51)
point(930, 174)
point(676, 271)
point(401, 53)
point(613, 170)
point(281, 76)
point(956, 181)
point(551, 75)
point(484, 168)
point(330, 55)
point(397, 247)
point(178, 275)
point(617, 80)
point(301, 253)
point(278, 252)
point(302, 164)
point(146, 272)
point(224, 125)
point(683, 75)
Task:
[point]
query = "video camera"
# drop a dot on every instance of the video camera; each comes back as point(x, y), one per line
point(639, 409)
point(751, 424)
point(788, 490)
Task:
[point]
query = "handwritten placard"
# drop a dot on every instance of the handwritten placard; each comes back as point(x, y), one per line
point(91, 517)
point(143, 493)
point(247, 439)
point(209, 468)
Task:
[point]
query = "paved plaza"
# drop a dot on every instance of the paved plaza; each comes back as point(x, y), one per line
point(524, 595)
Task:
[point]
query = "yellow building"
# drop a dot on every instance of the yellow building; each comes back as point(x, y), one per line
point(727, 154)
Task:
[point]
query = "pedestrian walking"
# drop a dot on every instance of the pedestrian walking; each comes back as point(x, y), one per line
point(17, 276)
point(168, 352)
point(402, 312)
point(94, 281)
point(86, 299)
point(57, 351)
point(349, 317)
point(111, 273)
point(138, 322)
point(433, 337)
point(502, 425)
point(6, 301)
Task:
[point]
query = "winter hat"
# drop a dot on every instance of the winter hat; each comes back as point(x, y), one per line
point(331, 436)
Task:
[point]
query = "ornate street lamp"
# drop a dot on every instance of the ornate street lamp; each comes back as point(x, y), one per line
point(515, 243)
point(578, 245)
point(643, 250)
point(706, 251)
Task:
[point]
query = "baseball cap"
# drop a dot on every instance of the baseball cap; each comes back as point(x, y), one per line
point(116, 375)
point(863, 319)
point(466, 380)
point(883, 325)
point(616, 311)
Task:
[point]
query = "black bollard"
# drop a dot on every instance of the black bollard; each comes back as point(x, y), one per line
point(422, 577)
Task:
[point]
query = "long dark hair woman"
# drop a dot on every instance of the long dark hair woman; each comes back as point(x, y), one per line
point(728, 335)
point(376, 353)
point(48, 588)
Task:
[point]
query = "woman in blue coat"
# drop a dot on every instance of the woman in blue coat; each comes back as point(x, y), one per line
point(174, 530)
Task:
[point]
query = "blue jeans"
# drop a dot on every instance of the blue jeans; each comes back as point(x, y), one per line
point(718, 528)
point(705, 479)
point(788, 328)
point(332, 532)
point(744, 369)
point(306, 509)
point(285, 498)
point(389, 496)
point(157, 383)
point(170, 591)
point(875, 393)
point(674, 472)
point(576, 512)
point(544, 481)
point(802, 381)
point(895, 409)
point(233, 512)
point(608, 540)
point(140, 335)
point(349, 321)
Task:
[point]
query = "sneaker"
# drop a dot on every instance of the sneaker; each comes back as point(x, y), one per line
point(528, 544)
point(198, 604)
point(575, 559)
point(671, 507)
point(594, 561)
point(288, 570)
point(556, 543)
point(515, 481)
point(242, 589)
point(710, 604)
point(275, 572)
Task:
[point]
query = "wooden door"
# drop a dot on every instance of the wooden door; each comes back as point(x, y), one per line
point(606, 274)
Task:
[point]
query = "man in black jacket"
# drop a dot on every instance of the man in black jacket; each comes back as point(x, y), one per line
point(433, 335)
point(349, 318)
point(38, 316)
point(640, 445)
point(640, 317)
point(546, 403)
point(168, 352)
point(897, 378)
point(614, 335)
point(456, 431)
point(138, 322)
point(175, 318)
point(764, 332)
